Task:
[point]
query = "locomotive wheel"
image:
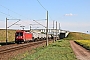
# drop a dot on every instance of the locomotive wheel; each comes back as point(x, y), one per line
point(33, 39)
point(17, 42)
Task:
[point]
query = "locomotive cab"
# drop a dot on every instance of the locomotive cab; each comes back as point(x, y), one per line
point(18, 37)
point(22, 36)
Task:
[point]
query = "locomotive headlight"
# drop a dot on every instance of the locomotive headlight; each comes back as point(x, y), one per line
point(21, 36)
point(17, 37)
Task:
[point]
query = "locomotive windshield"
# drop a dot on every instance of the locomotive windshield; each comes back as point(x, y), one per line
point(19, 34)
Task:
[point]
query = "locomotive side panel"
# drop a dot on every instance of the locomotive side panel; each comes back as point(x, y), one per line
point(22, 36)
point(28, 36)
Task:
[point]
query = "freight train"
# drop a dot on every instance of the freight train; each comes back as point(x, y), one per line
point(23, 36)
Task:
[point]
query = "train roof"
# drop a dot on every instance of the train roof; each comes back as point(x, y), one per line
point(20, 30)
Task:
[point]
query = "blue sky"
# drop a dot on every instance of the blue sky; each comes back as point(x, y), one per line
point(73, 15)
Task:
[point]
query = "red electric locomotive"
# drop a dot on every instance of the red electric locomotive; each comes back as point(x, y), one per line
point(22, 36)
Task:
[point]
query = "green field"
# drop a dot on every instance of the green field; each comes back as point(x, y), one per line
point(11, 35)
point(77, 36)
point(60, 50)
point(84, 43)
point(71, 36)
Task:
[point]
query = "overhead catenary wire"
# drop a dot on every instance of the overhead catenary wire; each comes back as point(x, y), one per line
point(13, 11)
point(39, 24)
point(42, 5)
point(13, 24)
point(44, 8)
point(6, 14)
point(18, 13)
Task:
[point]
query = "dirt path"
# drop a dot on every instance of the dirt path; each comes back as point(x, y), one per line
point(80, 52)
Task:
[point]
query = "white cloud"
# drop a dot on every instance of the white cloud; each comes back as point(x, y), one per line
point(70, 14)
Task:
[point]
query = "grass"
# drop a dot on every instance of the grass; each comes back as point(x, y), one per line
point(77, 36)
point(60, 50)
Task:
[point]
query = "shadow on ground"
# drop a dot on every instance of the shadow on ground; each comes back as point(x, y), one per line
point(8, 43)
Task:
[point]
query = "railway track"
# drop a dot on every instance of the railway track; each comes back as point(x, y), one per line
point(14, 48)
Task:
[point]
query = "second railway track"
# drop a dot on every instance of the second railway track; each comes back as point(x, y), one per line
point(14, 48)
